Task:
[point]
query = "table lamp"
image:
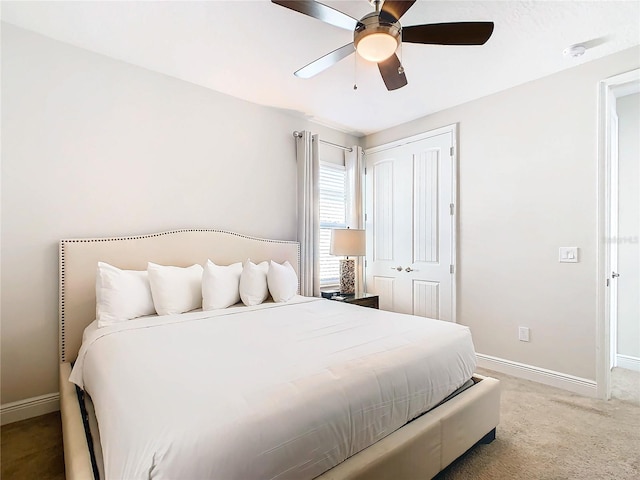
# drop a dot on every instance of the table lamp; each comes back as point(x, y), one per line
point(348, 242)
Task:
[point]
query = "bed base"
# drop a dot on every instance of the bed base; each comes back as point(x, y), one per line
point(487, 439)
point(420, 449)
point(77, 456)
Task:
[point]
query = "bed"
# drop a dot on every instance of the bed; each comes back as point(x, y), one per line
point(411, 444)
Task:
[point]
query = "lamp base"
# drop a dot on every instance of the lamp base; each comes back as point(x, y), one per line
point(347, 276)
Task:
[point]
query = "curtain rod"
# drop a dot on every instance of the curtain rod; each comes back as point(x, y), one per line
point(348, 149)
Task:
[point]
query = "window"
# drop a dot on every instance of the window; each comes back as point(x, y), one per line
point(332, 200)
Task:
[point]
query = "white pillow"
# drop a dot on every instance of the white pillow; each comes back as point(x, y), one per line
point(220, 285)
point(253, 283)
point(175, 289)
point(121, 295)
point(282, 281)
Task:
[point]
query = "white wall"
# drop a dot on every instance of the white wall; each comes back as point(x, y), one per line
point(628, 108)
point(527, 185)
point(97, 147)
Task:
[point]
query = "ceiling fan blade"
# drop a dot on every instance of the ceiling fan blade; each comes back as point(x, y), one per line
point(460, 33)
point(395, 9)
point(390, 71)
point(321, 12)
point(325, 62)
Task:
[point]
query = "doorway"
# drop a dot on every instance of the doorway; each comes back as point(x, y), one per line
point(619, 243)
point(410, 191)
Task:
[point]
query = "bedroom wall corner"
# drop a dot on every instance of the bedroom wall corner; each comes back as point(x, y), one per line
point(528, 185)
point(93, 147)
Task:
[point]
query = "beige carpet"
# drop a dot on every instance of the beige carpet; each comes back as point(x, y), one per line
point(32, 449)
point(548, 433)
point(545, 433)
point(625, 385)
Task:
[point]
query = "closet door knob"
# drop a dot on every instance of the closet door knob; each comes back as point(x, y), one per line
point(398, 268)
point(408, 269)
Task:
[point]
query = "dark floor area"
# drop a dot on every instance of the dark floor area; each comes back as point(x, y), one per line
point(32, 449)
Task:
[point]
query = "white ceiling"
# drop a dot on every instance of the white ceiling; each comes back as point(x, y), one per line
point(250, 49)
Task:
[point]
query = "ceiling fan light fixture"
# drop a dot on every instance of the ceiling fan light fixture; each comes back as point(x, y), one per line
point(378, 35)
point(376, 39)
point(377, 46)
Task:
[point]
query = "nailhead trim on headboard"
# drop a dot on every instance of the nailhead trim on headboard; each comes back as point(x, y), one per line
point(62, 271)
point(61, 304)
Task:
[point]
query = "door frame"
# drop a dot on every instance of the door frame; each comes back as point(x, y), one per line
point(453, 130)
point(604, 330)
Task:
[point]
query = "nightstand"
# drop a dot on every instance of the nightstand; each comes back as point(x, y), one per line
point(362, 299)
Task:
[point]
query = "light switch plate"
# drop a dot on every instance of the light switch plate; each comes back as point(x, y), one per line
point(568, 255)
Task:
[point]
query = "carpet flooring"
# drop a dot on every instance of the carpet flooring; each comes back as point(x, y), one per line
point(32, 449)
point(544, 434)
point(547, 433)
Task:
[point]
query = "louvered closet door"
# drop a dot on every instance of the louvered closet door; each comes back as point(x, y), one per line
point(409, 222)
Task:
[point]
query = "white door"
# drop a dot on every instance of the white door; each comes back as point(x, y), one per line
point(613, 237)
point(409, 219)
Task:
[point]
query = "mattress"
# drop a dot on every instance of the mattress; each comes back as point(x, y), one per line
point(272, 391)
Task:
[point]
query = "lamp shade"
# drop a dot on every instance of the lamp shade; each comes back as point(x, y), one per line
point(347, 242)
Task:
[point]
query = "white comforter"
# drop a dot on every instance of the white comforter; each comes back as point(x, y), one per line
point(269, 392)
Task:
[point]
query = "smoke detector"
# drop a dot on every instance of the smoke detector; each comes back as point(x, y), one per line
point(574, 51)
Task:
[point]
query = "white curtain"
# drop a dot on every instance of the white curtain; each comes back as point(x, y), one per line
point(308, 213)
point(354, 164)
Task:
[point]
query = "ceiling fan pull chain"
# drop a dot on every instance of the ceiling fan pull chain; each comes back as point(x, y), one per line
point(400, 68)
point(355, 72)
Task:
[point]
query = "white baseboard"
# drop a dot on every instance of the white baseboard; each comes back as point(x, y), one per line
point(578, 385)
point(628, 362)
point(28, 408)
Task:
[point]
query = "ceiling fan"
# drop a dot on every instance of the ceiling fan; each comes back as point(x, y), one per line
point(376, 36)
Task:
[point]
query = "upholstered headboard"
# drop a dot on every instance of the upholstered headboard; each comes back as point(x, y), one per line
point(79, 258)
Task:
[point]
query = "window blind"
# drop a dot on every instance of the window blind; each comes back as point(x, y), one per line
point(332, 200)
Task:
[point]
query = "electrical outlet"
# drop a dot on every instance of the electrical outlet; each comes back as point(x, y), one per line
point(523, 334)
